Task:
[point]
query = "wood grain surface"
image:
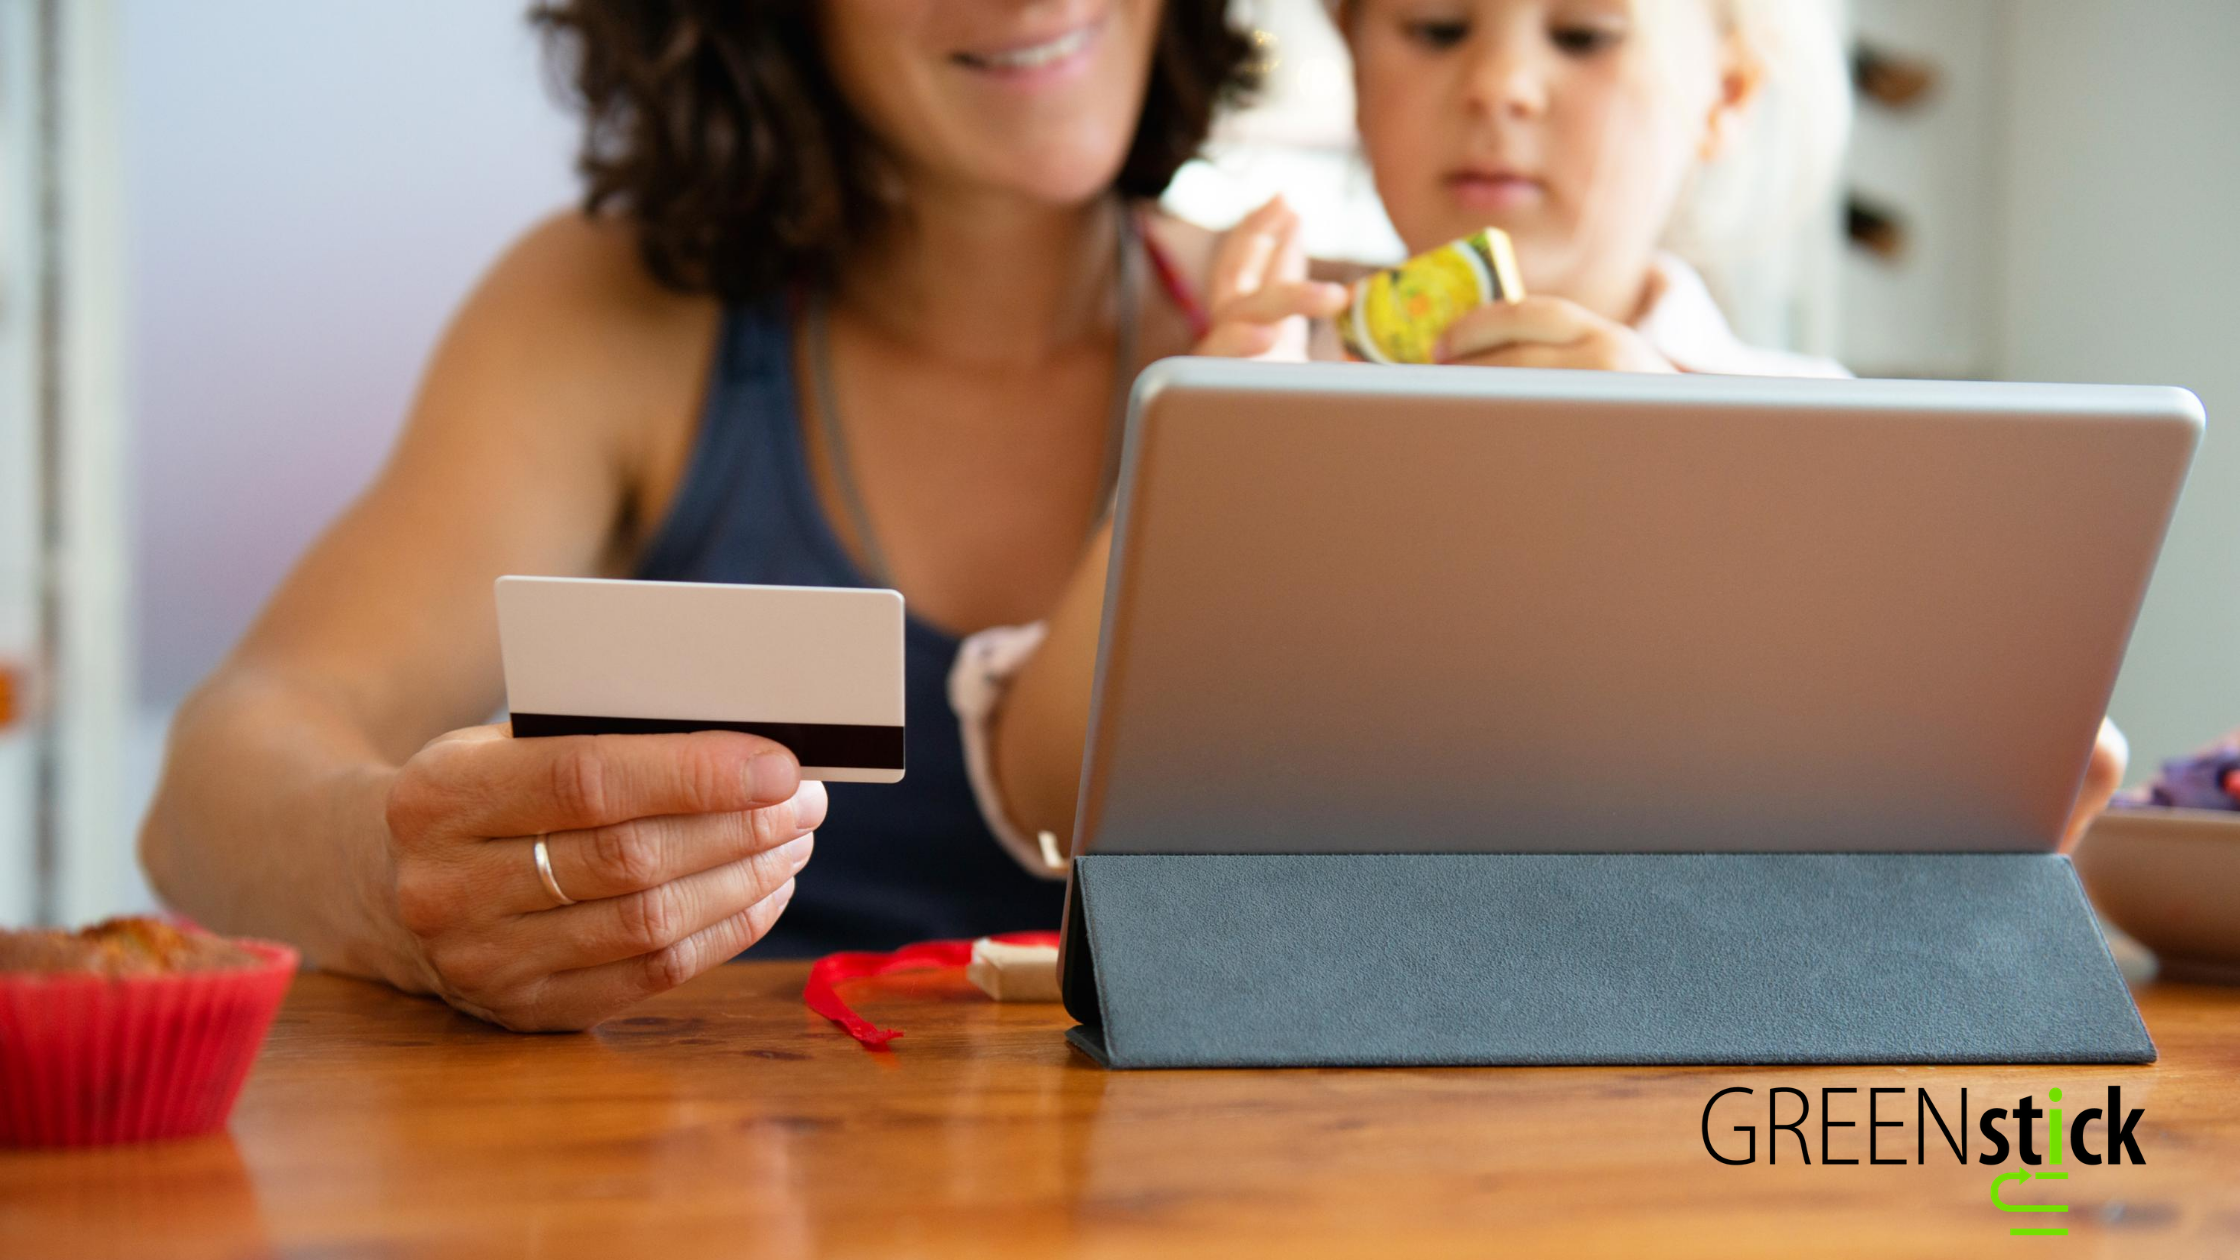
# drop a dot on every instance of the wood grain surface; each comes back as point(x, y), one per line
point(725, 1119)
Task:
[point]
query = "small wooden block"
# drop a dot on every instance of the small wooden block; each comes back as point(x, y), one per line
point(1014, 973)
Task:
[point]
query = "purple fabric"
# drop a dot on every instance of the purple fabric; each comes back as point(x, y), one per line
point(2208, 780)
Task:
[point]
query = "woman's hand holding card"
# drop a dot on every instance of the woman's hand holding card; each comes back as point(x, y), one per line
point(674, 851)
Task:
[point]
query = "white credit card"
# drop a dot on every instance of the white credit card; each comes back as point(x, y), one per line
point(818, 669)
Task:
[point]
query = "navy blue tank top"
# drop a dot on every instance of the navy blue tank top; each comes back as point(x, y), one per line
point(894, 863)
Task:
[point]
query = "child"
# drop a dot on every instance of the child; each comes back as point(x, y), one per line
point(1598, 134)
point(1601, 135)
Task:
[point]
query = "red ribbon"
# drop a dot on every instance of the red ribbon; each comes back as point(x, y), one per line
point(827, 974)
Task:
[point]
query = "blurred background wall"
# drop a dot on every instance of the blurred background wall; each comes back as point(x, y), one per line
point(310, 188)
point(2118, 256)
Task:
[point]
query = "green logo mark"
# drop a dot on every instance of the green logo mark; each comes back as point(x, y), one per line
point(2053, 1156)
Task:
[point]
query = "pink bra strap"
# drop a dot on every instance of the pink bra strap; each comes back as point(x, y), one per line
point(1172, 280)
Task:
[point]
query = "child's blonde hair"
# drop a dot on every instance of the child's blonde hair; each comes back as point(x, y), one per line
point(1740, 220)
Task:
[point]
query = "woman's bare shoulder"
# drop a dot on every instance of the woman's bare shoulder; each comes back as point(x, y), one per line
point(569, 332)
point(575, 284)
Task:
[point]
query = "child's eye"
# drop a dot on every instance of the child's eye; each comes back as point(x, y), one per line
point(1586, 41)
point(1439, 34)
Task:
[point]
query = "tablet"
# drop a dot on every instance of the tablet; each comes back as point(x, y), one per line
point(1438, 609)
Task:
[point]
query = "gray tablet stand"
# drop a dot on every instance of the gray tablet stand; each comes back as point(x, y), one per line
point(1453, 959)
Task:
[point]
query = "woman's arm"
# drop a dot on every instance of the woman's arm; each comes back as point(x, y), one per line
point(303, 799)
point(1037, 734)
point(1260, 301)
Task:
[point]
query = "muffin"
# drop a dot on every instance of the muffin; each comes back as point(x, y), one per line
point(129, 1030)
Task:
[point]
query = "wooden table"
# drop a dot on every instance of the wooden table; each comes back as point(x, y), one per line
point(725, 1119)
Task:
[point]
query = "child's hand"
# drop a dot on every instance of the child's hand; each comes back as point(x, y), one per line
point(1547, 332)
point(1261, 297)
point(2103, 774)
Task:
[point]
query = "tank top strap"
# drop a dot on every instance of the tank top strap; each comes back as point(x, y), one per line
point(896, 862)
point(1177, 286)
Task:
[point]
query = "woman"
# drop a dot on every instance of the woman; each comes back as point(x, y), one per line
point(854, 301)
point(859, 291)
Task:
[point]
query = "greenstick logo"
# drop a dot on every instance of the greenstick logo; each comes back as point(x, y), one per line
point(2066, 1137)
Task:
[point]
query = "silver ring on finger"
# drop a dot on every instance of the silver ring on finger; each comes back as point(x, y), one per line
point(544, 873)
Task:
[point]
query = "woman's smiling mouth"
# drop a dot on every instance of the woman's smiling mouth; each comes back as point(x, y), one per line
point(1049, 56)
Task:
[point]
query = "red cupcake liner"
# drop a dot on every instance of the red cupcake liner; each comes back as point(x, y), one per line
point(88, 1060)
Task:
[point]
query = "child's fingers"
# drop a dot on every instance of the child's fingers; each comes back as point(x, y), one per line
point(1536, 320)
point(2103, 774)
point(1243, 261)
point(1232, 254)
point(1597, 352)
point(1290, 261)
point(1284, 299)
point(1240, 263)
point(1259, 285)
point(1240, 341)
point(1524, 354)
point(1253, 325)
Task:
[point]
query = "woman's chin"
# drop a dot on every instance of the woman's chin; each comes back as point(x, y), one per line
point(1058, 182)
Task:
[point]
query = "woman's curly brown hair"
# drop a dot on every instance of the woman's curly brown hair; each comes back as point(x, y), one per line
point(714, 128)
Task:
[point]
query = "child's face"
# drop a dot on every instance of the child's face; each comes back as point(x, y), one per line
point(1570, 124)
